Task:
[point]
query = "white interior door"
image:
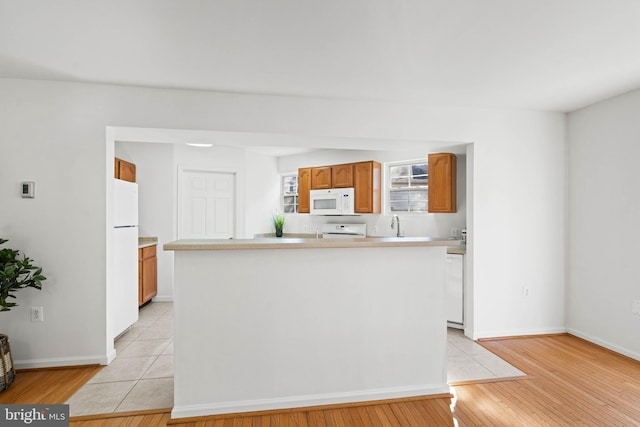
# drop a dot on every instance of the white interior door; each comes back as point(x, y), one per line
point(207, 205)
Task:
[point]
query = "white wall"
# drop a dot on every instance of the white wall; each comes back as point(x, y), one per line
point(604, 209)
point(436, 225)
point(262, 189)
point(54, 133)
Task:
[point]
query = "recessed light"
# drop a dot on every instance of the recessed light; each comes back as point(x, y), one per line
point(199, 145)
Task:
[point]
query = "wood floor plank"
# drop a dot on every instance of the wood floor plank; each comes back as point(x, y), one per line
point(363, 414)
point(432, 413)
point(316, 419)
point(387, 416)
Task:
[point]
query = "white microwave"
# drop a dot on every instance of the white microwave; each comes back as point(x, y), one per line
point(336, 201)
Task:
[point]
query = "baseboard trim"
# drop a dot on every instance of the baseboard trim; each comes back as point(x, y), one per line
point(517, 337)
point(56, 368)
point(111, 356)
point(95, 417)
point(605, 344)
point(162, 299)
point(518, 333)
point(492, 380)
point(60, 362)
point(189, 411)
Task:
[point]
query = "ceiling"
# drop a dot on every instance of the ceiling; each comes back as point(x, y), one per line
point(552, 55)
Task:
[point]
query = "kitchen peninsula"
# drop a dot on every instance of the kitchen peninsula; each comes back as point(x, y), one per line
point(292, 322)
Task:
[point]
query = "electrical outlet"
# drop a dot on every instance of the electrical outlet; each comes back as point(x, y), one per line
point(455, 232)
point(635, 307)
point(525, 291)
point(374, 229)
point(305, 227)
point(37, 314)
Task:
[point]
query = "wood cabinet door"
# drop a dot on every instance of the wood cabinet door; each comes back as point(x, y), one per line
point(304, 185)
point(149, 278)
point(367, 187)
point(147, 274)
point(321, 178)
point(442, 183)
point(140, 300)
point(124, 170)
point(342, 176)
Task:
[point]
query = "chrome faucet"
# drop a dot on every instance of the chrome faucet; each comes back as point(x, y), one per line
point(395, 222)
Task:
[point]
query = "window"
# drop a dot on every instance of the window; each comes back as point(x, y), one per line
point(289, 192)
point(408, 186)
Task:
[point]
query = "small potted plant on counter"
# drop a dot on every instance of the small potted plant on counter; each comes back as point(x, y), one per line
point(278, 223)
point(15, 273)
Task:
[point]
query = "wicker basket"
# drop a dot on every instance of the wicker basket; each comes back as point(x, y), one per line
point(7, 372)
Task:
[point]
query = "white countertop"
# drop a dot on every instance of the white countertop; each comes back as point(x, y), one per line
point(305, 243)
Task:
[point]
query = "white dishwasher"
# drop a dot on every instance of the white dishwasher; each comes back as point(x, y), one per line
point(455, 291)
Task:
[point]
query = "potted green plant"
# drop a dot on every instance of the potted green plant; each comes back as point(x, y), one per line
point(278, 223)
point(15, 273)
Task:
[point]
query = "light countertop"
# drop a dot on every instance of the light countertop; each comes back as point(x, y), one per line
point(460, 249)
point(143, 242)
point(305, 243)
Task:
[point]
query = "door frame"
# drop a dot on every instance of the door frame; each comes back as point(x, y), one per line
point(238, 194)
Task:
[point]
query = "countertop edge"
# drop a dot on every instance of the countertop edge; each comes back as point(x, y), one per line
point(458, 250)
point(298, 243)
point(144, 242)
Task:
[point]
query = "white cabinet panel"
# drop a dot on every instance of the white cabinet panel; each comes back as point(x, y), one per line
point(455, 289)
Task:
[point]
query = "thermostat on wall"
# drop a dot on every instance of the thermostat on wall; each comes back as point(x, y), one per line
point(28, 190)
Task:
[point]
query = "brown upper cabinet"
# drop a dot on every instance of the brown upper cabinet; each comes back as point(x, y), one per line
point(304, 185)
point(442, 183)
point(342, 176)
point(367, 187)
point(321, 178)
point(124, 170)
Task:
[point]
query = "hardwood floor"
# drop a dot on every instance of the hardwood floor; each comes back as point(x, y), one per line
point(570, 382)
point(47, 386)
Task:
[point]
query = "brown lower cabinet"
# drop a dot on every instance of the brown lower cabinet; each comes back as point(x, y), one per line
point(147, 274)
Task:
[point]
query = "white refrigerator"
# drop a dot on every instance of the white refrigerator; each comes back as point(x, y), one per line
point(124, 292)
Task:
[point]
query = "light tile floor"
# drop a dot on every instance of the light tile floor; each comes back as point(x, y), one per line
point(469, 361)
point(141, 377)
